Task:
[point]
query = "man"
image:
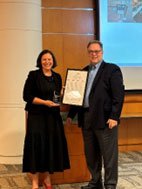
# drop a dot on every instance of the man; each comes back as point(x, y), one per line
point(99, 118)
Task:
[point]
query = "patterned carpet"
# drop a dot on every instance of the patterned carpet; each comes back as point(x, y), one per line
point(130, 174)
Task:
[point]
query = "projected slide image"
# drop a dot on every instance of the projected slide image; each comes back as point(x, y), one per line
point(120, 30)
point(124, 10)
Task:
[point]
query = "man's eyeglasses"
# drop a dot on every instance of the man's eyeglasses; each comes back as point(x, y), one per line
point(95, 51)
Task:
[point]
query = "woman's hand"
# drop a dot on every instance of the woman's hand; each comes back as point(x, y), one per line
point(50, 103)
point(68, 121)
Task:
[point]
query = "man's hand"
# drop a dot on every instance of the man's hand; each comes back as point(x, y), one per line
point(68, 121)
point(112, 123)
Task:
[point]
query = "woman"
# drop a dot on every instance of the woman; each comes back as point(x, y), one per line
point(45, 147)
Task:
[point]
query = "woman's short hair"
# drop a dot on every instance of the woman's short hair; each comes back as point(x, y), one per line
point(45, 51)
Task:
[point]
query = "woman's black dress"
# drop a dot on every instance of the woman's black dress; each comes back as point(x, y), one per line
point(45, 146)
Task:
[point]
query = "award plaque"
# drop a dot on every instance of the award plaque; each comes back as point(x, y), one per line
point(75, 86)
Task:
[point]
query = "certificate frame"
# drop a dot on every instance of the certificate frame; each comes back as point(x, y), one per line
point(75, 87)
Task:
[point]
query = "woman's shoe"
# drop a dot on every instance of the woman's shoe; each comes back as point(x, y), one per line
point(47, 187)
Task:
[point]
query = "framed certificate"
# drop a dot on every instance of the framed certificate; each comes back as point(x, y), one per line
point(75, 86)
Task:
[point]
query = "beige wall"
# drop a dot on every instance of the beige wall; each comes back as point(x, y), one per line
point(20, 42)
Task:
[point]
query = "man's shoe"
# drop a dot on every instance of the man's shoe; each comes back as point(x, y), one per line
point(86, 187)
point(89, 186)
point(110, 187)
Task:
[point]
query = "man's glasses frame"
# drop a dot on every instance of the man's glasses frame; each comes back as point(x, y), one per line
point(94, 51)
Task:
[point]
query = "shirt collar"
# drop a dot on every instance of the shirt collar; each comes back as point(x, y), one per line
point(95, 66)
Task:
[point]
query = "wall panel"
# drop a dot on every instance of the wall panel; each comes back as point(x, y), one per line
point(68, 3)
point(52, 21)
point(130, 132)
point(68, 21)
point(67, 30)
point(78, 21)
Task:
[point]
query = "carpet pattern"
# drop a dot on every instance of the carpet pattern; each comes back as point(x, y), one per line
point(130, 174)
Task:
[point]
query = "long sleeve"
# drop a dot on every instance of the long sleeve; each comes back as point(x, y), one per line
point(29, 87)
point(117, 90)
